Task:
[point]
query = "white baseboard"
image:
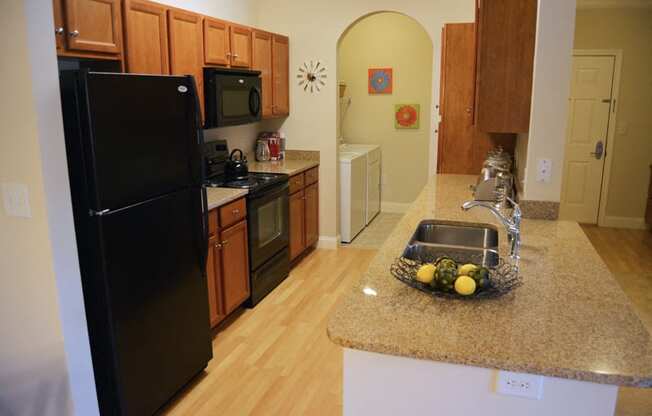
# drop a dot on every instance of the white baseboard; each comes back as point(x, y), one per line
point(637, 223)
point(329, 243)
point(394, 207)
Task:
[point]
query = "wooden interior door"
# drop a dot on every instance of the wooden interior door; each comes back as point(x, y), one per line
point(217, 44)
point(59, 28)
point(146, 36)
point(262, 61)
point(94, 25)
point(312, 213)
point(281, 74)
point(462, 147)
point(214, 281)
point(240, 46)
point(235, 264)
point(186, 48)
point(588, 124)
point(297, 224)
point(456, 148)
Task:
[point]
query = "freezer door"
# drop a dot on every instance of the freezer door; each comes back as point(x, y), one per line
point(142, 137)
point(157, 298)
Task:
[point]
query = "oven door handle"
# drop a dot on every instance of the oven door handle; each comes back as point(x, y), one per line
point(268, 195)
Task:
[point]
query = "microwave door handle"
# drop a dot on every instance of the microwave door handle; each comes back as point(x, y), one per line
point(254, 101)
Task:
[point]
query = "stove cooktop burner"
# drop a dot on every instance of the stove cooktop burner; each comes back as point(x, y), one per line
point(254, 182)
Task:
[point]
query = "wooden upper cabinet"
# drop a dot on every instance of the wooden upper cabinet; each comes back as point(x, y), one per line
point(505, 61)
point(240, 46)
point(186, 48)
point(312, 213)
point(59, 28)
point(262, 61)
point(281, 75)
point(217, 45)
point(146, 35)
point(94, 25)
point(235, 263)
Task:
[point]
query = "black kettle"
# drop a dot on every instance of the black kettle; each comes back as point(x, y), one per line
point(235, 169)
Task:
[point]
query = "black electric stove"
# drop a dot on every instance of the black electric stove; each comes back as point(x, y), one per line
point(267, 219)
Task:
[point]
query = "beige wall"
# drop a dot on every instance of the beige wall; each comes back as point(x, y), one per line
point(33, 375)
point(550, 91)
point(629, 30)
point(397, 41)
point(314, 29)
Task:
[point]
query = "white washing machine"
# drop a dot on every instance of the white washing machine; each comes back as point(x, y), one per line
point(353, 172)
point(372, 154)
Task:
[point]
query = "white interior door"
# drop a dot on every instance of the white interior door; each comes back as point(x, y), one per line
point(586, 137)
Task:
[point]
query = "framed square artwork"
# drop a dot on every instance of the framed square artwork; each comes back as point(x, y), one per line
point(380, 80)
point(406, 116)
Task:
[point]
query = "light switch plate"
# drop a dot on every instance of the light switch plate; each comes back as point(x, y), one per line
point(15, 197)
point(544, 170)
point(529, 386)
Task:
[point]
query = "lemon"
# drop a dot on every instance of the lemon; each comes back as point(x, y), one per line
point(464, 285)
point(466, 269)
point(426, 273)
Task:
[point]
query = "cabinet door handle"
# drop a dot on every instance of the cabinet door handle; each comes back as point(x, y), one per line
point(59, 31)
point(235, 212)
point(218, 246)
point(228, 54)
point(235, 55)
point(225, 243)
point(74, 33)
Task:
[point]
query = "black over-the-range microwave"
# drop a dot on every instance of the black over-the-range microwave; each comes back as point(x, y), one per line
point(232, 96)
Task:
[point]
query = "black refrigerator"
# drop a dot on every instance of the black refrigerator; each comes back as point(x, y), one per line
point(133, 144)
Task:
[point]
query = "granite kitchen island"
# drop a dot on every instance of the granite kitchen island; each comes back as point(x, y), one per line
point(569, 322)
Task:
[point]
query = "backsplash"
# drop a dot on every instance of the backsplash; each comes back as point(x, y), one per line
point(244, 136)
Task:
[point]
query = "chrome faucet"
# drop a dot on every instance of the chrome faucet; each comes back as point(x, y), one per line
point(512, 225)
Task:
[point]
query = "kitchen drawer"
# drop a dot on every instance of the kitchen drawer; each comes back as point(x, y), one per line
point(312, 176)
point(212, 222)
point(297, 182)
point(233, 212)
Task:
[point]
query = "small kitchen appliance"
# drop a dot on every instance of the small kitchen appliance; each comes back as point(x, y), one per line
point(496, 182)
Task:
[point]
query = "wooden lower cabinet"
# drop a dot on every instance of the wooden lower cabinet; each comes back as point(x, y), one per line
point(227, 267)
point(304, 212)
point(214, 276)
point(297, 224)
point(312, 214)
point(235, 266)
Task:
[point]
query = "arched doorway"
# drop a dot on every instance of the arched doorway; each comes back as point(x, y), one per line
point(400, 46)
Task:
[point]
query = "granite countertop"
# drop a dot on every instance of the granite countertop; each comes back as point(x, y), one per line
point(220, 196)
point(288, 166)
point(569, 319)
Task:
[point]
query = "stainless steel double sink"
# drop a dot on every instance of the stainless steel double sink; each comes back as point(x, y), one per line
point(464, 242)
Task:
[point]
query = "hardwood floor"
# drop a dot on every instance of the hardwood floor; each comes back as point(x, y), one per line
point(276, 359)
point(628, 255)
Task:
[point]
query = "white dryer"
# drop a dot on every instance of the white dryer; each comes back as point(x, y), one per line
point(353, 172)
point(373, 185)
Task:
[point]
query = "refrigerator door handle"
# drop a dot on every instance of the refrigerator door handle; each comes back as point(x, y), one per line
point(94, 213)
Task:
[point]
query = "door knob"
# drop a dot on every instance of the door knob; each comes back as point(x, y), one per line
point(599, 150)
point(74, 33)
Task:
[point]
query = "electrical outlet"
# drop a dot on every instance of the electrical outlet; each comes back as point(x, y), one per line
point(544, 170)
point(529, 386)
point(16, 200)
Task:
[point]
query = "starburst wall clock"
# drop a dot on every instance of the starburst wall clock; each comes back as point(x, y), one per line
point(312, 76)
